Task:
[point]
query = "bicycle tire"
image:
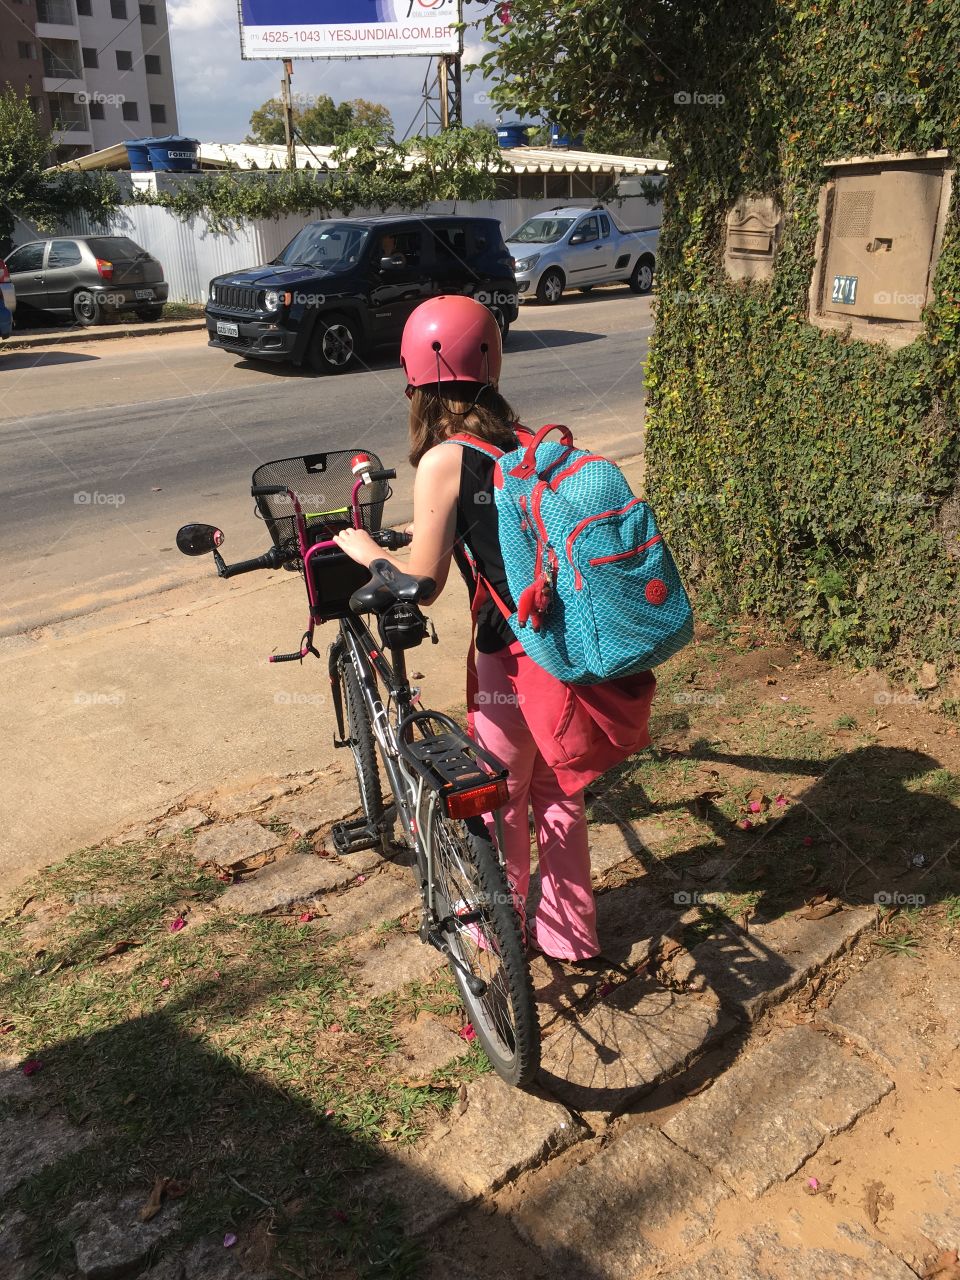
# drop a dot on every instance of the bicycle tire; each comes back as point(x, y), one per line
point(362, 745)
point(469, 880)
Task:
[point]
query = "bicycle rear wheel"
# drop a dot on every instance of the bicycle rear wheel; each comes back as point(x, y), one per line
point(483, 930)
point(362, 745)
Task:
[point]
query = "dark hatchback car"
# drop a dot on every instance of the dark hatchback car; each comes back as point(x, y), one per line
point(87, 277)
point(344, 286)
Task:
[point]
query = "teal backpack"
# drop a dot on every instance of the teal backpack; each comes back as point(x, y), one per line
point(598, 594)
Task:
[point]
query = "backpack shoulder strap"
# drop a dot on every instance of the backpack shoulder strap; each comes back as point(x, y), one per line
point(473, 442)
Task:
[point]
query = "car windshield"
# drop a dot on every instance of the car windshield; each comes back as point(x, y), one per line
point(110, 248)
point(542, 230)
point(332, 246)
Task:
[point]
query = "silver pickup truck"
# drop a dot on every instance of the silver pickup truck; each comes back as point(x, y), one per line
point(577, 247)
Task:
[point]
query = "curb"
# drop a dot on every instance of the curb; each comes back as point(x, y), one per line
point(102, 334)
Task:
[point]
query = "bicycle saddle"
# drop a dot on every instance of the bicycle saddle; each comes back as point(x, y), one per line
point(387, 585)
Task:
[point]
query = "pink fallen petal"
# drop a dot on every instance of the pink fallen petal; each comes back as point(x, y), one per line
point(305, 918)
point(467, 1032)
point(808, 841)
point(755, 806)
point(32, 1066)
point(781, 801)
point(165, 984)
point(335, 1027)
point(813, 1184)
point(328, 1113)
point(339, 1215)
point(215, 975)
point(361, 879)
point(745, 825)
point(229, 1240)
point(177, 925)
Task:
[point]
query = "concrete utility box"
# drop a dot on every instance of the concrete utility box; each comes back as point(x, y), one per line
point(881, 224)
point(753, 232)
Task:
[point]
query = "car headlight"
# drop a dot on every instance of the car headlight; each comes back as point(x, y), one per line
point(272, 300)
point(524, 264)
point(213, 293)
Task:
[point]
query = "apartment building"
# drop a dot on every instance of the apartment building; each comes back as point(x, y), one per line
point(105, 64)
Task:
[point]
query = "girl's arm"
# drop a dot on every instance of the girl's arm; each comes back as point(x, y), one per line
point(435, 492)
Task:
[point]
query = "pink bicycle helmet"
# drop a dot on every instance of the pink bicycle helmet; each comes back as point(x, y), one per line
point(451, 338)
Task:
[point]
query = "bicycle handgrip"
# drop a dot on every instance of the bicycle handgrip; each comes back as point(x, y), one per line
point(286, 657)
point(267, 490)
point(269, 560)
point(388, 473)
point(393, 539)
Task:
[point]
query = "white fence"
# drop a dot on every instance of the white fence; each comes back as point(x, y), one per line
point(192, 255)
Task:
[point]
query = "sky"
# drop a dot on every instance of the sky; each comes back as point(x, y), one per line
point(217, 90)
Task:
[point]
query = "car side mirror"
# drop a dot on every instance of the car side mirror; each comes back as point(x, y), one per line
point(198, 539)
point(393, 263)
point(578, 238)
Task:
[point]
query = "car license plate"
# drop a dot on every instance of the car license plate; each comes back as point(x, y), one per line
point(225, 329)
point(143, 293)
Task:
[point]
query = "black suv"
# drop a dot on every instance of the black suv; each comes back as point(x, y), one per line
point(343, 286)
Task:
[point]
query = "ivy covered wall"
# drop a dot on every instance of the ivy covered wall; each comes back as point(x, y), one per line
point(803, 477)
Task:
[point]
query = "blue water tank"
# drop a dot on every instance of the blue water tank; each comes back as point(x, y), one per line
point(513, 135)
point(560, 139)
point(174, 154)
point(138, 155)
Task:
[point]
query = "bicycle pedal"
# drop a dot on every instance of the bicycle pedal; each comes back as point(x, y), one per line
point(351, 837)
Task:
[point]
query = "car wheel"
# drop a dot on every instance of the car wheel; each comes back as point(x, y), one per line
point(642, 279)
point(334, 345)
point(503, 324)
point(150, 313)
point(550, 288)
point(86, 309)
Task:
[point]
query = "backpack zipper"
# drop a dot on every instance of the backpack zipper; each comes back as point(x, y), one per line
point(578, 529)
point(625, 555)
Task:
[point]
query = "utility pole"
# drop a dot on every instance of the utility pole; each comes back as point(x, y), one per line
point(288, 113)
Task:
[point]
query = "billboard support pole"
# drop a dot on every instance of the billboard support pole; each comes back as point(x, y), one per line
point(288, 114)
point(450, 85)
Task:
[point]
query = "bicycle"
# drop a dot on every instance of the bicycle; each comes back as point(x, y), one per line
point(442, 782)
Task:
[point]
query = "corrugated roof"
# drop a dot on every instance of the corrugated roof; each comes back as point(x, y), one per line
point(245, 155)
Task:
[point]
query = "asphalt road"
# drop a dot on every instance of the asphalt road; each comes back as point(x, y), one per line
point(107, 447)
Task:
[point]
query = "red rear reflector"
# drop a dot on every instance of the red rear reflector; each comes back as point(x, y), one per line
point(470, 804)
point(105, 268)
point(4, 273)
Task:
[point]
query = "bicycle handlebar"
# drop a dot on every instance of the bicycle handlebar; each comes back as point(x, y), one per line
point(271, 559)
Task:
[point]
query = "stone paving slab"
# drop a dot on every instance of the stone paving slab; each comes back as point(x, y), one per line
point(559, 987)
point(761, 1255)
point(208, 1260)
point(770, 1111)
point(632, 922)
point(610, 846)
point(177, 823)
point(231, 803)
point(380, 898)
point(601, 1218)
point(231, 843)
point(30, 1143)
point(402, 959)
point(502, 1132)
point(299, 877)
point(114, 1240)
point(625, 1044)
point(752, 971)
point(427, 1046)
point(901, 1010)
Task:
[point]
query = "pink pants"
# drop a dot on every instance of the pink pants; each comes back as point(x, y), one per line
point(565, 925)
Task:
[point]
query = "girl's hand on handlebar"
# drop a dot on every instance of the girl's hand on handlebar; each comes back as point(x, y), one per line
point(358, 545)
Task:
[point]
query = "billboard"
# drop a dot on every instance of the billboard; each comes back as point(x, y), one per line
point(347, 28)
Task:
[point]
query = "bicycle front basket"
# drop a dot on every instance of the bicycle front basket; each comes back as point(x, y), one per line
point(323, 483)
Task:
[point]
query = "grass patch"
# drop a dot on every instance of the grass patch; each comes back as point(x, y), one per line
point(224, 1051)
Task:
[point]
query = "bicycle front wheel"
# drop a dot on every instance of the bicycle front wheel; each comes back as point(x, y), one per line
point(362, 745)
point(482, 928)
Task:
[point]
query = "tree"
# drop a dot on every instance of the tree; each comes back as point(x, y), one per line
point(318, 121)
point(27, 189)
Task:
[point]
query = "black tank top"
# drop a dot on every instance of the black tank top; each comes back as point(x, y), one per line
point(477, 527)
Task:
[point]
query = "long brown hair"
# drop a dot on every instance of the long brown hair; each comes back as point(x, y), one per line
point(443, 409)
